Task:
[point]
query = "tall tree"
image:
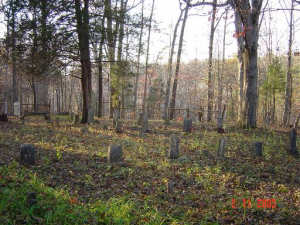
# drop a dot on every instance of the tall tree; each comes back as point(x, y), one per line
point(221, 75)
point(241, 47)
point(210, 89)
point(170, 62)
point(138, 59)
point(289, 79)
point(249, 12)
point(82, 19)
point(174, 90)
point(147, 59)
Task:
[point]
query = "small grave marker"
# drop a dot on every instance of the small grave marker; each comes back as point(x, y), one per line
point(187, 125)
point(115, 153)
point(27, 154)
point(174, 147)
point(258, 149)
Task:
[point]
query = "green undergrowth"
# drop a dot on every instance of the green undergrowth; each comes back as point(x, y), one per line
point(54, 206)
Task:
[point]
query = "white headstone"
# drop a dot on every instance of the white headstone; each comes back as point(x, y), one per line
point(5, 107)
point(17, 109)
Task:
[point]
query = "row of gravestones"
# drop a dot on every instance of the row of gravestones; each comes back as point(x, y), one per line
point(115, 153)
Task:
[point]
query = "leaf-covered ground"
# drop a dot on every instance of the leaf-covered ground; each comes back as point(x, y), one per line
point(72, 159)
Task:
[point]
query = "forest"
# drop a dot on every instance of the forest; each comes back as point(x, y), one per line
point(149, 112)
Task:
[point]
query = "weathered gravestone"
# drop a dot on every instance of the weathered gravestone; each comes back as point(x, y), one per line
point(187, 125)
point(72, 116)
point(170, 187)
point(76, 119)
point(17, 109)
point(145, 124)
point(116, 117)
point(293, 142)
point(115, 153)
point(117, 124)
point(3, 112)
point(220, 121)
point(221, 149)
point(173, 152)
point(258, 149)
point(140, 119)
point(27, 154)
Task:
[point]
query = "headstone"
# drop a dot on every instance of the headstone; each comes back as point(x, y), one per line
point(3, 112)
point(27, 153)
point(145, 123)
point(293, 142)
point(173, 152)
point(90, 118)
point(17, 109)
point(116, 117)
point(170, 187)
point(47, 117)
point(76, 119)
point(5, 108)
point(118, 127)
point(187, 125)
point(258, 148)
point(221, 149)
point(3, 118)
point(115, 153)
point(140, 119)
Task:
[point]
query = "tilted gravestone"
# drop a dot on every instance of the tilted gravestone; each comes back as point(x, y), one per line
point(187, 125)
point(258, 149)
point(173, 152)
point(221, 149)
point(293, 142)
point(115, 153)
point(76, 119)
point(17, 109)
point(117, 124)
point(170, 187)
point(27, 154)
point(116, 117)
point(145, 124)
point(140, 119)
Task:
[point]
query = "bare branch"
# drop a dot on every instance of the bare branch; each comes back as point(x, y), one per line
point(208, 3)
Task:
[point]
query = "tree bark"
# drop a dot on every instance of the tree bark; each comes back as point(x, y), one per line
point(147, 58)
point(170, 62)
point(138, 61)
point(13, 52)
point(289, 79)
point(249, 14)
point(173, 98)
point(210, 89)
point(82, 18)
point(220, 76)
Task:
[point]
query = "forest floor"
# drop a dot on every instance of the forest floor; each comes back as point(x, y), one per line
point(74, 183)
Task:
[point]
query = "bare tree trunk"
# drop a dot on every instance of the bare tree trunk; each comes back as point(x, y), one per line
point(147, 58)
point(82, 18)
point(100, 71)
point(120, 49)
point(220, 76)
point(241, 47)
point(173, 98)
point(111, 47)
point(249, 14)
point(210, 93)
point(138, 61)
point(289, 79)
point(167, 98)
point(13, 53)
